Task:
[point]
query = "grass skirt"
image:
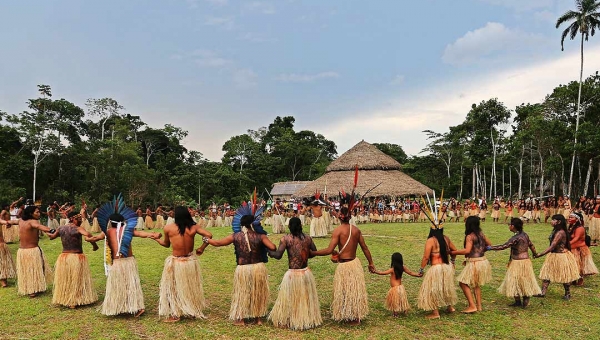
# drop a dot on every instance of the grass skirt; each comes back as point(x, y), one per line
point(250, 292)
point(181, 291)
point(297, 306)
point(560, 268)
point(123, 288)
point(476, 273)
point(10, 233)
point(495, 213)
point(278, 224)
point(33, 271)
point(594, 229)
point(96, 226)
point(160, 222)
point(482, 214)
point(86, 225)
point(171, 220)
point(396, 300)
point(584, 259)
point(438, 289)
point(141, 225)
point(53, 224)
point(73, 281)
point(318, 227)
point(7, 265)
point(528, 215)
point(519, 280)
point(349, 292)
point(148, 223)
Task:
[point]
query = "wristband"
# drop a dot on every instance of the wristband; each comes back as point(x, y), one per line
point(52, 231)
point(205, 239)
point(421, 271)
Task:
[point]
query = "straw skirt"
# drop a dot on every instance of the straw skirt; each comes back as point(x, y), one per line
point(181, 291)
point(318, 227)
point(349, 292)
point(33, 271)
point(123, 288)
point(160, 222)
point(250, 292)
point(171, 220)
point(594, 228)
point(519, 280)
point(585, 262)
point(477, 272)
point(53, 224)
point(560, 268)
point(7, 265)
point(73, 281)
point(438, 288)
point(148, 223)
point(297, 306)
point(396, 300)
point(86, 225)
point(141, 225)
point(96, 226)
point(10, 233)
point(278, 224)
point(495, 213)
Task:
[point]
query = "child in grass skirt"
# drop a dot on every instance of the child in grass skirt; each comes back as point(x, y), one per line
point(396, 300)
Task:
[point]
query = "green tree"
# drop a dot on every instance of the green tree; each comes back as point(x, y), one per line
point(393, 150)
point(584, 21)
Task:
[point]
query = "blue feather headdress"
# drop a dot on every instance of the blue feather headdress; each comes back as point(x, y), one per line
point(117, 206)
point(250, 209)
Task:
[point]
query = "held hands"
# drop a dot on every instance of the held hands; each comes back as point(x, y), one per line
point(155, 236)
point(372, 268)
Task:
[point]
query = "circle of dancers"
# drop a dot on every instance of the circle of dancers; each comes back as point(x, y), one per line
point(567, 258)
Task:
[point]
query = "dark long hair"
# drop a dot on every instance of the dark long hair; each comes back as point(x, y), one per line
point(183, 219)
point(439, 235)
point(28, 212)
point(296, 228)
point(397, 264)
point(562, 225)
point(473, 226)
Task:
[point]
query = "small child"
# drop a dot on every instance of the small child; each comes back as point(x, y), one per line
point(396, 300)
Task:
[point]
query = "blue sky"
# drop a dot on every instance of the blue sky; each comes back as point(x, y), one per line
point(381, 71)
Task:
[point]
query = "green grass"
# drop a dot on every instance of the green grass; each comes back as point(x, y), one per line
point(548, 318)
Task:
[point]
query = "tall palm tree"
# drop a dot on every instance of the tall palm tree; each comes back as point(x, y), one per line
point(584, 21)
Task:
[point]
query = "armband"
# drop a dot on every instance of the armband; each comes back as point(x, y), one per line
point(205, 239)
point(52, 231)
point(488, 248)
point(421, 271)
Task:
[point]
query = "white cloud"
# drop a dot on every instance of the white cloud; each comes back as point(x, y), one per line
point(217, 2)
point(256, 38)
point(227, 23)
point(545, 16)
point(208, 58)
point(521, 5)
point(244, 78)
point(398, 80)
point(262, 7)
point(439, 106)
point(492, 39)
point(305, 78)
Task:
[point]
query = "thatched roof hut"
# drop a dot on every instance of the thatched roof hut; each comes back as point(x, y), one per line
point(285, 190)
point(374, 167)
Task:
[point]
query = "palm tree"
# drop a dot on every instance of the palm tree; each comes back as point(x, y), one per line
point(585, 21)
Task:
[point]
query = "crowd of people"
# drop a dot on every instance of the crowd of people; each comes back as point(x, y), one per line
point(568, 259)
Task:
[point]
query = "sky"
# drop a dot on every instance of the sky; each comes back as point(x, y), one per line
point(380, 71)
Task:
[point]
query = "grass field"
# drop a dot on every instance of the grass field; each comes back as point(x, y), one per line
point(547, 318)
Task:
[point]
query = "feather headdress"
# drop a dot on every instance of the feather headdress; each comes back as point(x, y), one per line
point(250, 209)
point(125, 228)
point(316, 199)
point(431, 211)
point(350, 200)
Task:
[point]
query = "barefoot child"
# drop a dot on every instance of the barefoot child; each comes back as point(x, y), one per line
point(396, 300)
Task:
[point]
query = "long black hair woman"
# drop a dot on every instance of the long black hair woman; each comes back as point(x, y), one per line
point(560, 266)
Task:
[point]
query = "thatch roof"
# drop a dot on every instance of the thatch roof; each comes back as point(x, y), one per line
point(287, 188)
point(374, 167)
point(367, 156)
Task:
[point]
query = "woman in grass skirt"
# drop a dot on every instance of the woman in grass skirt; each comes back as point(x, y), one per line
point(560, 266)
point(580, 249)
point(297, 306)
point(396, 300)
point(520, 281)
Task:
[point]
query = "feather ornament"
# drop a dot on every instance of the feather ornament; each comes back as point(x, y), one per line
point(117, 205)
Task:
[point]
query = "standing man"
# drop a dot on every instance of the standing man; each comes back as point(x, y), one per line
point(350, 301)
point(318, 225)
point(181, 292)
point(33, 270)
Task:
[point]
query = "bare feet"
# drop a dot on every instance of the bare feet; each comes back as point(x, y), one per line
point(72, 306)
point(432, 316)
point(354, 322)
point(171, 319)
point(239, 322)
point(469, 310)
point(32, 295)
point(259, 321)
point(139, 313)
point(4, 283)
point(451, 309)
